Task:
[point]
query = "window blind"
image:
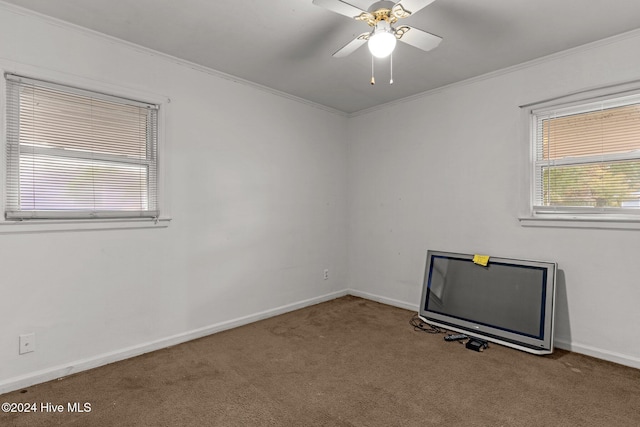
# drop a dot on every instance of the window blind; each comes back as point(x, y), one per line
point(587, 158)
point(73, 153)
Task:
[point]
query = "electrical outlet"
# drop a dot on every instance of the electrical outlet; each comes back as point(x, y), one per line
point(326, 274)
point(27, 343)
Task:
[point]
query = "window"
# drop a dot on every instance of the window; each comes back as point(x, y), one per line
point(586, 159)
point(73, 153)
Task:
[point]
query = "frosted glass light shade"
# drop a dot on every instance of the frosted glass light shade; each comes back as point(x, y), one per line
point(382, 41)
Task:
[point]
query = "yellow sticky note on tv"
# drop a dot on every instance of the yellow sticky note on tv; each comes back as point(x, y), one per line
point(482, 260)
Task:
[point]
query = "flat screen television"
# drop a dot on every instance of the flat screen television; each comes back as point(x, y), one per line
point(508, 301)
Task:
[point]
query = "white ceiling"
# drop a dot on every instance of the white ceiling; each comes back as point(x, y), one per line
point(287, 45)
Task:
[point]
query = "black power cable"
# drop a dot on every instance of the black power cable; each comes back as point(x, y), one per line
point(420, 325)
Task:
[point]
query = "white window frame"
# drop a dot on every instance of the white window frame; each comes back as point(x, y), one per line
point(48, 225)
point(568, 217)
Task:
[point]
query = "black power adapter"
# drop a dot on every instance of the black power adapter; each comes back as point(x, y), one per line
point(477, 344)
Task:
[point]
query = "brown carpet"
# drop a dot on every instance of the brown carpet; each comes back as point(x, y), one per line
point(347, 362)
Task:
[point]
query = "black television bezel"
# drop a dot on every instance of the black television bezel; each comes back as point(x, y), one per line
point(520, 341)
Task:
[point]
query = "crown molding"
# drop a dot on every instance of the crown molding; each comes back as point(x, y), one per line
point(219, 74)
point(503, 71)
point(11, 8)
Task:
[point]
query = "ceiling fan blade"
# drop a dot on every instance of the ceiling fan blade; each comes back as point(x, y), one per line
point(410, 6)
point(417, 38)
point(352, 46)
point(341, 7)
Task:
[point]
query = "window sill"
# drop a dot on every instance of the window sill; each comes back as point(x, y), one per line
point(48, 226)
point(576, 221)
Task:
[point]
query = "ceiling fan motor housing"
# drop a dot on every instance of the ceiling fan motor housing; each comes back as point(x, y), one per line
point(381, 5)
point(387, 11)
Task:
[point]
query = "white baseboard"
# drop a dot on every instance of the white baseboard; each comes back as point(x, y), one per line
point(383, 300)
point(598, 353)
point(60, 371)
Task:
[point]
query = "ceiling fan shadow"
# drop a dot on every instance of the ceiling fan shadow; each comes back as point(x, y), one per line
point(309, 44)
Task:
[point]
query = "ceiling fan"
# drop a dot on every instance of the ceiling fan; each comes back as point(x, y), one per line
point(382, 16)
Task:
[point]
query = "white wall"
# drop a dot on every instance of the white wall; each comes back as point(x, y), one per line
point(258, 202)
point(448, 171)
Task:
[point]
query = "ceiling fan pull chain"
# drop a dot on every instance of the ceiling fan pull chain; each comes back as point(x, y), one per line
point(391, 78)
point(373, 79)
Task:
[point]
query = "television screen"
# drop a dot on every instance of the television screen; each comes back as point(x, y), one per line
point(507, 301)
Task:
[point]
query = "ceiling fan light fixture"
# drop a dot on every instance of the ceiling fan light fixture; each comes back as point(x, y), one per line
point(382, 40)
